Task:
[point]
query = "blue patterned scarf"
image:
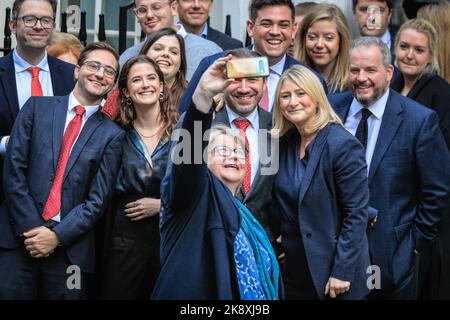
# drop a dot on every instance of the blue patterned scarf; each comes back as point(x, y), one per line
point(257, 237)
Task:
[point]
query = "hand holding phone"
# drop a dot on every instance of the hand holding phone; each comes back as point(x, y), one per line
point(254, 67)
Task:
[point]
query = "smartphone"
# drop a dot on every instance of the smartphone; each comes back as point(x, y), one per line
point(248, 67)
point(374, 18)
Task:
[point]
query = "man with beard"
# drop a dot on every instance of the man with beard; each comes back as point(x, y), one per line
point(409, 168)
point(271, 26)
point(60, 170)
point(28, 71)
point(241, 112)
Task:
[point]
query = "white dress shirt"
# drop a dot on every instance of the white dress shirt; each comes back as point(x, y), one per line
point(373, 123)
point(386, 38)
point(274, 77)
point(90, 110)
point(252, 136)
point(272, 81)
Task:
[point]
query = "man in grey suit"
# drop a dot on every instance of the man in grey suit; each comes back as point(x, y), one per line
point(153, 15)
point(193, 16)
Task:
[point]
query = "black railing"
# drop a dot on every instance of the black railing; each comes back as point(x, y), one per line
point(228, 25)
point(7, 40)
point(123, 26)
point(64, 22)
point(101, 28)
point(82, 35)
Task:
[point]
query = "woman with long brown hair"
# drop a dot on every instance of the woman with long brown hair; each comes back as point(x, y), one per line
point(145, 112)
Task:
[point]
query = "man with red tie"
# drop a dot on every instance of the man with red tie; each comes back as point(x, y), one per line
point(28, 71)
point(60, 169)
point(270, 25)
point(243, 112)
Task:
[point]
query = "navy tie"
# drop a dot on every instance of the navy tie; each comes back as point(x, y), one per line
point(362, 131)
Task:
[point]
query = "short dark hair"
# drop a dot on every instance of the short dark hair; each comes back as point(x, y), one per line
point(302, 9)
point(98, 46)
point(388, 2)
point(18, 4)
point(256, 5)
point(243, 53)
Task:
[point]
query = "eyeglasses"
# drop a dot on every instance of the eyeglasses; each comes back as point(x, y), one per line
point(94, 66)
point(156, 8)
point(191, 1)
point(225, 151)
point(31, 21)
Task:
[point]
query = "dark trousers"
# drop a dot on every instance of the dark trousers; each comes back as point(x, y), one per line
point(23, 277)
point(130, 270)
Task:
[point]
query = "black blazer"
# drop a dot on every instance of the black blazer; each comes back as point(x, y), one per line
point(199, 222)
point(223, 40)
point(433, 92)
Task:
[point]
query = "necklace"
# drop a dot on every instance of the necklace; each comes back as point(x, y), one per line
point(143, 136)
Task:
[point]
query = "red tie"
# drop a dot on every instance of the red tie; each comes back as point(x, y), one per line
point(53, 204)
point(36, 89)
point(264, 103)
point(243, 125)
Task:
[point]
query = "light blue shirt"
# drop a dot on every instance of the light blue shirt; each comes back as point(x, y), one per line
point(272, 81)
point(386, 38)
point(373, 123)
point(23, 83)
point(23, 78)
point(204, 33)
point(274, 77)
point(252, 137)
point(90, 110)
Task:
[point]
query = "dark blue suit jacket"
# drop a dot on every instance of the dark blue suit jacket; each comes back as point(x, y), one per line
point(199, 222)
point(332, 208)
point(30, 166)
point(186, 99)
point(223, 40)
point(63, 82)
point(409, 178)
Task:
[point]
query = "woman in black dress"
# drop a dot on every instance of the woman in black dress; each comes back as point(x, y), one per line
point(132, 258)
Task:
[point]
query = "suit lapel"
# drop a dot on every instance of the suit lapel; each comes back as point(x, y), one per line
point(389, 126)
point(342, 106)
point(59, 122)
point(89, 127)
point(222, 117)
point(8, 81)
point(265, 122)
point(58, 83)
point(313, 161)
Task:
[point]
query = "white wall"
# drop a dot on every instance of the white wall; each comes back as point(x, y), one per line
point(3, 5)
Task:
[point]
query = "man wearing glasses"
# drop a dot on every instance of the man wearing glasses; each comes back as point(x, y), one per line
point(28, 71)
point(60, 169)
point(154, 15)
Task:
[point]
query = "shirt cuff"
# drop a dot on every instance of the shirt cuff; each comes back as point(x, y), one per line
point(3, 145)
